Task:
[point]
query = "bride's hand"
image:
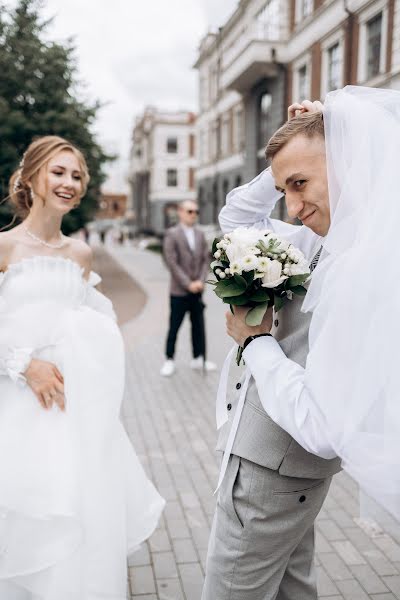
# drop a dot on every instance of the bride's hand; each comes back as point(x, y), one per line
point(306, 106)
point(46, 382)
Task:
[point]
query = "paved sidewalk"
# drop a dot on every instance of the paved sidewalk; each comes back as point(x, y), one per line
point(172, 426)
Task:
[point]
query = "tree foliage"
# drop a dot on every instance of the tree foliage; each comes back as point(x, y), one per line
point(39, 95)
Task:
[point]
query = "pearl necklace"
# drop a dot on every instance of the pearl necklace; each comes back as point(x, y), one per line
point(40, 241)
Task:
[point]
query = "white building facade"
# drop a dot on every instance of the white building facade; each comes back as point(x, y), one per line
point(269, 54)
point(162, 168)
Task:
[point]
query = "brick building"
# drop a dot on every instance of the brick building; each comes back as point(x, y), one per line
point(112, 206)
point(162, 168)
point(270, 54)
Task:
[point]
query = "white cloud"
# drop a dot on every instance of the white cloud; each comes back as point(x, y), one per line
point(132, 53)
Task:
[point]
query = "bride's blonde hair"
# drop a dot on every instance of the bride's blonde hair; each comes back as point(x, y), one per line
point(37, 156)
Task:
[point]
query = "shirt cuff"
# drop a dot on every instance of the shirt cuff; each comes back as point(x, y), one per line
point(260, 352)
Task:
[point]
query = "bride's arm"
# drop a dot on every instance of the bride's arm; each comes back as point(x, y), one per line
point(18, 364)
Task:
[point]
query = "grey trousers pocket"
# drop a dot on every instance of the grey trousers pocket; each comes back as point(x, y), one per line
point(227, 492)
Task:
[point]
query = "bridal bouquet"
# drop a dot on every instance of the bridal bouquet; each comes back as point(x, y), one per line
point(257, 268)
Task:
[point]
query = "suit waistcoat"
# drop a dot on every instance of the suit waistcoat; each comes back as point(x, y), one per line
point(258, 438)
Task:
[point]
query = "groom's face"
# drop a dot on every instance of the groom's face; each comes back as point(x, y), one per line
point(299, 170)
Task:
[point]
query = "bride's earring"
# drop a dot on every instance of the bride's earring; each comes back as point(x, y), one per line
point(31, 193)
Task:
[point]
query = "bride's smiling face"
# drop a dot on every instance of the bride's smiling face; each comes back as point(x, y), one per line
point(59, 183)
point(299, 170)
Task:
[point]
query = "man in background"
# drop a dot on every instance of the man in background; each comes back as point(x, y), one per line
point(187, 257)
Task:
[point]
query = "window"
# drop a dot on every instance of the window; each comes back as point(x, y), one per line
point(239, 130)
point(303, 9)
point(302, 83)
point(334, 67)
point(374, 45)
point(268, 21)
point(306, 8)
point(172, 145)
point(172, 177)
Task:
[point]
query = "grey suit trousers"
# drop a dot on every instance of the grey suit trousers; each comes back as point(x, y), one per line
point(262, 540)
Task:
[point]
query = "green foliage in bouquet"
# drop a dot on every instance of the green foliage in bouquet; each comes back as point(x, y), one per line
point(247, 288)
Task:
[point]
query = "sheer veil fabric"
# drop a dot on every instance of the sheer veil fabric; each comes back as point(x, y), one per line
point(352, 372)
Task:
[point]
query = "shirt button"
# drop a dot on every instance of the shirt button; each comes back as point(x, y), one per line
point(302, 499)
point(238, 386)
point(229, 407)
point(276, 322)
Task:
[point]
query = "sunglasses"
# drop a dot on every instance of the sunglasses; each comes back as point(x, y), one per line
point(191, 211)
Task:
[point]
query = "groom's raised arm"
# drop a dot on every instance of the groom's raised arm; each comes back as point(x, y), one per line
point(251, 205)
point(282, 388)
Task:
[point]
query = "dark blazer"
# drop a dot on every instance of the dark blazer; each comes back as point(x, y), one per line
point(184, 265)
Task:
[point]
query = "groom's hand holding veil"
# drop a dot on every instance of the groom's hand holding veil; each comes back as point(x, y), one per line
point(46, 382)
point(306, 106)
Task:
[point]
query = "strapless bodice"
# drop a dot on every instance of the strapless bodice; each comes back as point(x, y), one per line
point(44, 279)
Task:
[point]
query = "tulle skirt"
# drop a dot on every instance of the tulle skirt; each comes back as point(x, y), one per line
point(74, 499)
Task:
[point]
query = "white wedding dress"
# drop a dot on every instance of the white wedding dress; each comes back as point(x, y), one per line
point(74, 499)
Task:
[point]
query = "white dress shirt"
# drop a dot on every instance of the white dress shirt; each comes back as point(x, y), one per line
point(281, 383)
point(190, 236)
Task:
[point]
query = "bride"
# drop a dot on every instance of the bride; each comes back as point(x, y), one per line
point(74, 499)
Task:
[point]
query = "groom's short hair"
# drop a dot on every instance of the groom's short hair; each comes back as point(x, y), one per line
point(307, 124)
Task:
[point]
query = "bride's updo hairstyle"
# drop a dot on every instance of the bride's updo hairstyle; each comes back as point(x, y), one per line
point(35, 158)
point(307, 124)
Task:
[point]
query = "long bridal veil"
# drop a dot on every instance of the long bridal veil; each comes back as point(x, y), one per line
point(353, 368)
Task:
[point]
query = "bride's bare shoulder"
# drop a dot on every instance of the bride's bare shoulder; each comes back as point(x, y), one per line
point(8, 241)
point(82, 253)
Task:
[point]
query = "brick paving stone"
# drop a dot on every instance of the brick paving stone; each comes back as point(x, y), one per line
point(171, 423)
point(164, 565)
point(348, 553)
point(192, 580)
point(393, 583)
point(370, 581)
point(352, 590)
point(335, 566)
point(159, 541)
point(142, 580)
point(140, 558)
point(185, 551)
point(326, 586)
point(169, 589)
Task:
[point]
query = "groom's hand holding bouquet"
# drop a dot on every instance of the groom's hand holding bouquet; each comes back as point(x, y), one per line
point(256, 271)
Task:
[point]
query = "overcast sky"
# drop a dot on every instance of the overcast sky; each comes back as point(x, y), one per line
point(132, 53)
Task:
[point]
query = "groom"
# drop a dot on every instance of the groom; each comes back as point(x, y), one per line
point(262, 541)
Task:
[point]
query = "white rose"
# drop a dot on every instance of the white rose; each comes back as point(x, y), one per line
point(298, 268)
point(234, 253)
point(217, 254)
point(295, 255)
point(246, 236)
point(273, 275)
point(221, 275)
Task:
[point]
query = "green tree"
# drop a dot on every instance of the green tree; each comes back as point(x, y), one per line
point(39, 95)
